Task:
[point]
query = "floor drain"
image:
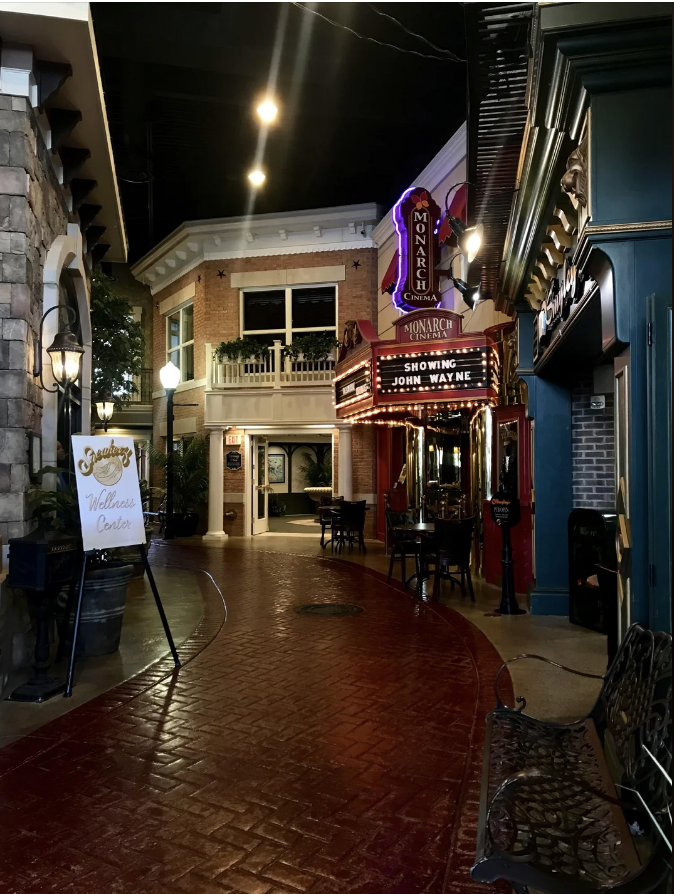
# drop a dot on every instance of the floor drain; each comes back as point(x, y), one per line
point(329, 609)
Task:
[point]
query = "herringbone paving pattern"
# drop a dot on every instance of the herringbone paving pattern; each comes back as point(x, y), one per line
point(292, 753)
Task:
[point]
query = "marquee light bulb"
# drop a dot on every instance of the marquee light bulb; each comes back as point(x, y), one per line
point(267, 111)
point(257, 178)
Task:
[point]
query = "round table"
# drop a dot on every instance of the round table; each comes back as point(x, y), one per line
point(423, 529)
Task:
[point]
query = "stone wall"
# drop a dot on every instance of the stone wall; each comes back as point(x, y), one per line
point(33, 213)
point(593, 449)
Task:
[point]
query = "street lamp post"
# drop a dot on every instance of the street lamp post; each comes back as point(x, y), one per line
point(170, 379)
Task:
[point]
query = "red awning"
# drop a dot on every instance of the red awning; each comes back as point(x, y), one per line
point(391, 275)
point(457, 208)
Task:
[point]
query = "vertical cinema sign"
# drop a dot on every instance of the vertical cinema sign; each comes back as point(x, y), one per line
point(416, 218)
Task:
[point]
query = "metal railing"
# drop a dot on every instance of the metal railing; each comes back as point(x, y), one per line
point(143, 384)
point(272, 371)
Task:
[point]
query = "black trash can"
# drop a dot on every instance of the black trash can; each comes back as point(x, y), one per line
point(592, 544)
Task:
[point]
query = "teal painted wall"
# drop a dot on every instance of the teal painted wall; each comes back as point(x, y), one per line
point(631, 156)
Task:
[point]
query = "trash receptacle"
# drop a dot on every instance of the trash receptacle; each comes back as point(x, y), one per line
point(591, 543)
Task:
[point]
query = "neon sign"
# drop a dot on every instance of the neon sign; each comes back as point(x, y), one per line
point(416, 219)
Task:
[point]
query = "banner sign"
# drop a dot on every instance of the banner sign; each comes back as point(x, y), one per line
point(416, 218)
point(111, 509)
point(437, 371)
point(428, 325)
point(354, 386)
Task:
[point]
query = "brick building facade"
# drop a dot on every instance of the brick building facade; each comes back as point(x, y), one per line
point(326, 248)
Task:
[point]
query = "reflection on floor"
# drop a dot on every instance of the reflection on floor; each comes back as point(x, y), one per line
point(550, 693)
point(295, 524)
point(143, 642)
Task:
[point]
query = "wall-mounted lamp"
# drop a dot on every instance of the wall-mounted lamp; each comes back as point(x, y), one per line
point(65, 353)
point(105, 408)
point(469, 238)
point(469, 294)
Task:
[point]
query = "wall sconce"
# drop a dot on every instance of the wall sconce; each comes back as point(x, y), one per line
point(469, 238)
point(105, 408)
point(469, 294)
point(65, 353)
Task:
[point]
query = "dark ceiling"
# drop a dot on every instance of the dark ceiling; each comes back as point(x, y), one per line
point(357, 121)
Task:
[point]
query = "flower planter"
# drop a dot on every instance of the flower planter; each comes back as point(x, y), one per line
point(103, 604)
point(317, 492)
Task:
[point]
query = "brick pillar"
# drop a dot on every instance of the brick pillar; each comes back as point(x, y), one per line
point(345, 474)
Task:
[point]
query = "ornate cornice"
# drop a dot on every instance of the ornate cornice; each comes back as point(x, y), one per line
point(641, 227)
point(575, 56)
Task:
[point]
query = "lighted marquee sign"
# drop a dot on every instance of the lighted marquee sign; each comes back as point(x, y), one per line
point(463, 368)
point(353, 386)
point(416, 218)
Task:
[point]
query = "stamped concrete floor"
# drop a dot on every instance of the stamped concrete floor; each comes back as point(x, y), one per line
point(551, 694)
point(290, 753)
point(142, 643)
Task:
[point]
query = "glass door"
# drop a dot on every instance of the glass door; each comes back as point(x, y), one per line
point(260, 485)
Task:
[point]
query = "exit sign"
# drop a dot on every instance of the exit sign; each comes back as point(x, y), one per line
point(233, 440)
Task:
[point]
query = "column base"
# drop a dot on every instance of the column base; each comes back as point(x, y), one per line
point(215, 537)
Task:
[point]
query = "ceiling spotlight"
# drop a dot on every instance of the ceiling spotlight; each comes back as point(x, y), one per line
point(257, 178)
point(267, 111)
point(469, 294)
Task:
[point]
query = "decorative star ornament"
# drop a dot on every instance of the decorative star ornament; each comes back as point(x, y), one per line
point(355, 265)
point(199, 278)
point(221, 273)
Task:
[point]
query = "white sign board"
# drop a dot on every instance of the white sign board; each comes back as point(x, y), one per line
point(111, 510)
point(233, 440)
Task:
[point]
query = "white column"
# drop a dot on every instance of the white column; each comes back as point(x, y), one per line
point(345, 473)
point(216, 487)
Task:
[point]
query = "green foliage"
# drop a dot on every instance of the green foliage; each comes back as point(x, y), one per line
point(241, 349)
point(57, 509)
point(117, 342)
point(314, 347)
point(318, 474)
point(190, 475)
point(277, 508)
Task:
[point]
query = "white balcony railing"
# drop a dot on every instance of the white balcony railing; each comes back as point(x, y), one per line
point(273, 371)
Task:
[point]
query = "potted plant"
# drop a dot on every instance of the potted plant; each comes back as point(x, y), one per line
point(190, 481)
point(108, 574)
point(239, 350)
point(318, 472)
point(313, 347)
point(117, 342)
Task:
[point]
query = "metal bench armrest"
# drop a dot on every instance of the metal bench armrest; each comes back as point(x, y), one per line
point(521, 701)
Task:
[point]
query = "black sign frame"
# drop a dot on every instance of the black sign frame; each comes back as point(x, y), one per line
point(457, 370)
point(233, 461)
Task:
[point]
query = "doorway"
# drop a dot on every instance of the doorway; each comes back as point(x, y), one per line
point(259, 485)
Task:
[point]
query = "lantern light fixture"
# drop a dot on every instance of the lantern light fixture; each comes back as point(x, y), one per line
point(65, 353)
point(105, 408)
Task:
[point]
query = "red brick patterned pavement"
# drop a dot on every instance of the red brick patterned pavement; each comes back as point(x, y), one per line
point(290, 753)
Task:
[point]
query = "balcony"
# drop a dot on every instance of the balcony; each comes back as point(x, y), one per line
point(270, 391)
point(143, 383)
point(274, 371)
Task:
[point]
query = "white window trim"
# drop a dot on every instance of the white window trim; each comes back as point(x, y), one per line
point(288, 331)
point(181, 344)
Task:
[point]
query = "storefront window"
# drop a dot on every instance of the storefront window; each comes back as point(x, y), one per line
point(285, 314)
point(180, 341)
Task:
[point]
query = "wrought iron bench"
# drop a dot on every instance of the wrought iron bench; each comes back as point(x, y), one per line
point(584, 806)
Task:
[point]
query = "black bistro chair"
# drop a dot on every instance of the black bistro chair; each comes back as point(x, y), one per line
point(349, 524)
point(449, 548)
point(326, 515)
point(401, 543)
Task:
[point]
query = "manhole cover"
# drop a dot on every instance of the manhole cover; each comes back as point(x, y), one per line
point(329, 609)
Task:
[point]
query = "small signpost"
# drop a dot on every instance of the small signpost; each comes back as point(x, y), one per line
point(505, 511)
point(233, 460)
point(111, 514)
